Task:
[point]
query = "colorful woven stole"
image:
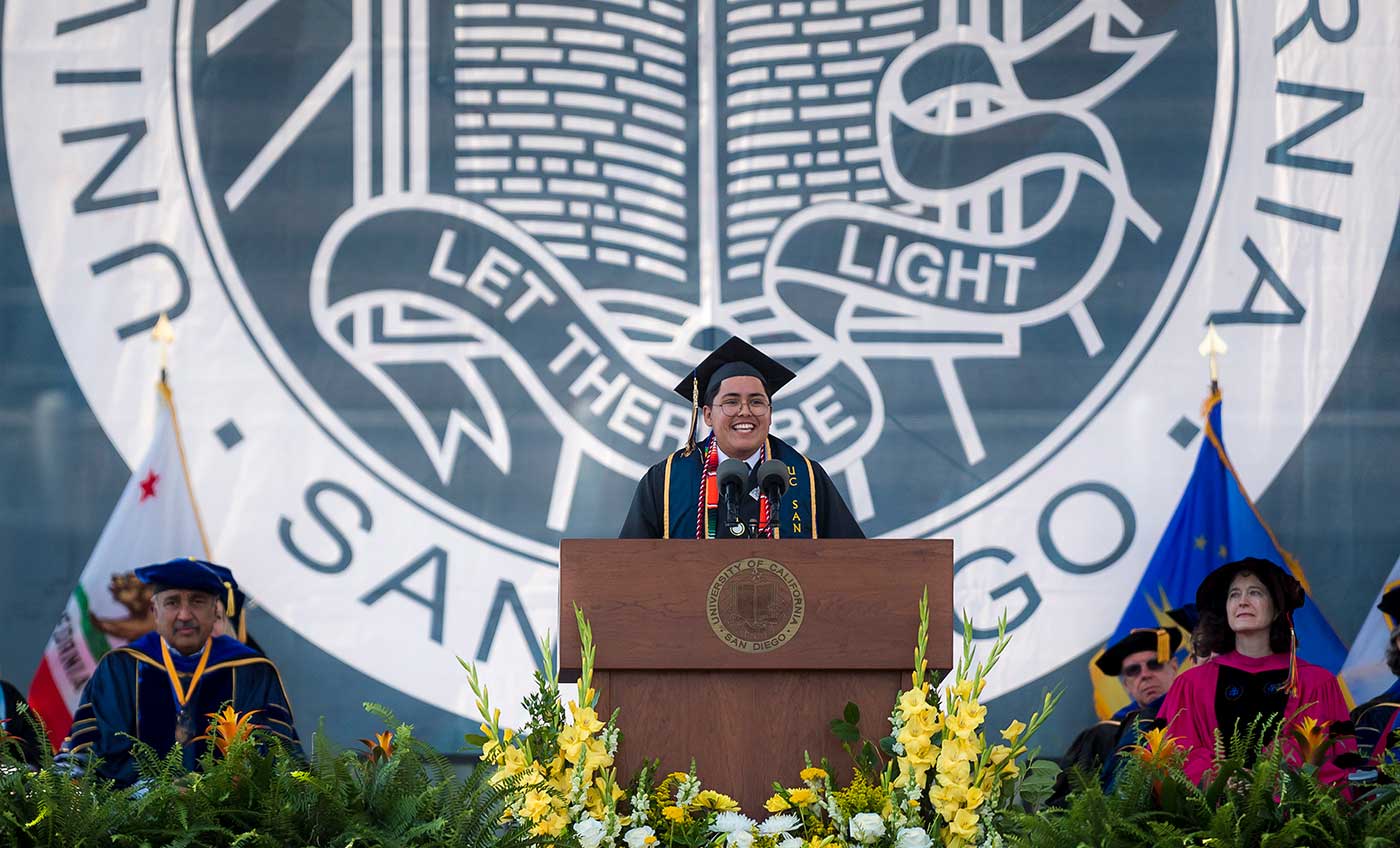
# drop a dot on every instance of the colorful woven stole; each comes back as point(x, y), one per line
point(707, 504)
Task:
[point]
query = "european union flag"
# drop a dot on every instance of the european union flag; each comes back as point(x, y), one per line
point(1215, 523)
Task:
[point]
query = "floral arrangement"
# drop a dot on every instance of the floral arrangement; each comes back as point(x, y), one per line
point(942, 781)
point(565, 769)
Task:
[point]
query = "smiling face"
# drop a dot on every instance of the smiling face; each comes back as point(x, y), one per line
point(1248, 606)
point(742, 433)
point(185, 617)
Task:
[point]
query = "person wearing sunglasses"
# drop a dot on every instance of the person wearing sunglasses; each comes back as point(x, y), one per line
point(679, 497)
point(1144, 662)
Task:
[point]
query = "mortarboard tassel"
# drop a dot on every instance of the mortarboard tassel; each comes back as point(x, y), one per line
point(1291, 685)
point(694, 414)
point(1164, 646)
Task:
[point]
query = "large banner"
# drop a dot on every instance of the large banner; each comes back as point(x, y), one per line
point(434, 266)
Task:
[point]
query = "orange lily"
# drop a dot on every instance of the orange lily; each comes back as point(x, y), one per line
point(1311, 736)
point(1157, 748)
point(381, 747)
point(228, 726)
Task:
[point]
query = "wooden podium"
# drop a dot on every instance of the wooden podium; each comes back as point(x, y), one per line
point(740, 653)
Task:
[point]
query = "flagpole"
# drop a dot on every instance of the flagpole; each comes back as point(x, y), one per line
point(164, 335)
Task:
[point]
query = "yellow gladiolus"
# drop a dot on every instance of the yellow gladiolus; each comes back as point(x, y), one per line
point(1013, 731)
point(673, 813)
point(964, 824)
point(571, 742)
point(963, 689)
point(951, 772)
point(998, 753)
point(585, 718)
point(536, 805)
point(814, 773)
point(962, 725)
point(974, 797)
point(974, 711)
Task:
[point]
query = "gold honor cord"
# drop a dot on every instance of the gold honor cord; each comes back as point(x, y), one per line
point(181, 694)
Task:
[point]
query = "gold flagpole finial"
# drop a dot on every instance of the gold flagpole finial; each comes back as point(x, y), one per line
point(164, 335)
point(1211, 347)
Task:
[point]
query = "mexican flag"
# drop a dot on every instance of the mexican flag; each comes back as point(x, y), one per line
point(155, 519)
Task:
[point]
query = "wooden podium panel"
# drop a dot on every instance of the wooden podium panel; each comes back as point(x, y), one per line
point(746, 716)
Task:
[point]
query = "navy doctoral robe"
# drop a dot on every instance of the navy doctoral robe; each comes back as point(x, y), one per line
point(1378, 727)
point(130, 693)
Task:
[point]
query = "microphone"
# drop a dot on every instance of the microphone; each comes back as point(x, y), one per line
point(772, 478)
point(732, 475)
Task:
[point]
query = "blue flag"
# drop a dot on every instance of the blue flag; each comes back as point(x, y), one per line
point(1216, 523)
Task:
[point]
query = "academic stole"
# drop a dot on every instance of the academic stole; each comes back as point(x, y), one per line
point(707, 507)
point(183, 695)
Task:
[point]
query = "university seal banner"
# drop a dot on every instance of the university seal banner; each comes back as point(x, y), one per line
point(433, 267)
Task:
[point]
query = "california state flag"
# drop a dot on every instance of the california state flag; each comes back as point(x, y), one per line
point(155, 520)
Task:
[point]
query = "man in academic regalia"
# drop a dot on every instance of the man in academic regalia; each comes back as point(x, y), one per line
point(1378, 720)
point(162, 687)
point(1143, 661)
point(680, 498)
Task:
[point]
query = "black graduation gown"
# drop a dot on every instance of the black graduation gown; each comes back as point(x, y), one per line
point(645, 521)
point(1089, 751)
point(19, 726)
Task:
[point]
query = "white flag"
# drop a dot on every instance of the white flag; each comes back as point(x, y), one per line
point(155, 520)
point(1365, 674)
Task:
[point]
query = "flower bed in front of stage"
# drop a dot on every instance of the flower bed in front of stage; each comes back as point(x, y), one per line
point(938, 779)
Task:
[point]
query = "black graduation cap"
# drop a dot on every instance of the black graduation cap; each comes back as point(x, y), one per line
point(1284, 589)
point(1163, 640)
point(1186, 617)
point(1390, 604)
point(734, 358)
point(188, 573)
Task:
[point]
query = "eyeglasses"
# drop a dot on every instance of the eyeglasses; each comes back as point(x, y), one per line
point(1131, 671)
point(731, 406)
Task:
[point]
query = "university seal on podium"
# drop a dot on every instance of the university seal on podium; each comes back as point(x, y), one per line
point(755, 605)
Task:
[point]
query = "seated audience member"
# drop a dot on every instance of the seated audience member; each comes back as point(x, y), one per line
point(1254, 679)
point(16, 725)
point(162, 687)
point(1378, 720)
point(1142, 661)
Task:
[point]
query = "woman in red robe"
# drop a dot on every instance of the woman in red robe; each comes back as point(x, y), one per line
point(1253, 671)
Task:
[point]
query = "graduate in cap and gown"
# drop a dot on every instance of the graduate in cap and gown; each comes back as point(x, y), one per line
point(162, 687)
point(679, 497)
point(1144, 663)
point(1254, 678)
point(1378, 720)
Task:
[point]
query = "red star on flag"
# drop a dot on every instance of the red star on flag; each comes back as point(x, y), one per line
point(148, 486)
